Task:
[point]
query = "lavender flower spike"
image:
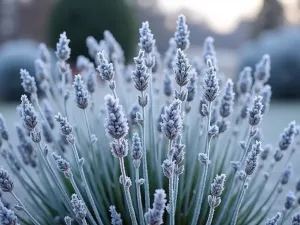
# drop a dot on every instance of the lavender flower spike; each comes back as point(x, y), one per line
point(245, 81)
point(105, 68)
point(44, 54)
point(209, 52)
point(79, 207)
point(6, 183)
point(286, 175)
point(116, 124)
point(266, 93)
point(274, 220)
point(7, 216)
point(154, 216)
point(191, 87)
point(168, 89)
point(172, 121)
point(254, 113)
point(227, 100)
point(262, 69)
point(63, 50)
point(147, 41)
point(217, 187)
point(81, 93)
point(211, 83)
point(28, 82)
point(252, 159)
point(136, 149)
point(29, 115)
point(65, 127)
point(296, 219)
point(140, 74)
point(181, 68)
point(182, 33)
point(115, 216)
point(287, 136)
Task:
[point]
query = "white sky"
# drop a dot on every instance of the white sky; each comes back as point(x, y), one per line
point(221, 15)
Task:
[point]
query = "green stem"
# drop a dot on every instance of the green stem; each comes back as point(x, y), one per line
point(74, 185)
point(203, 181)
point(139, 198)
point(54, 177)
point(239, 203)
point(33, 220)
point(86, 186)
point(127, 194)
point(211, 215)
point(144, 160)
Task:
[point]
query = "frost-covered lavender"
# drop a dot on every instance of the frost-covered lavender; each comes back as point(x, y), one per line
point(160, 141)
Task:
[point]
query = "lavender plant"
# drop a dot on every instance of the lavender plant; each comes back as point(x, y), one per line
point(178, 139)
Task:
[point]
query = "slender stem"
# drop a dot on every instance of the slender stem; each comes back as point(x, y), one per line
point(247, 146)
point(127, 194)
point(33, 220)
point(54, 177)
point(203, 181)
point(90, 140)
point(211, 215)
point(171, 188)
point(86, 186)
point(84, 222)
point(144, 160)
point(74, 185)
point(176, 182)
point(139, 198)
point(239, 203)
point(113, 90)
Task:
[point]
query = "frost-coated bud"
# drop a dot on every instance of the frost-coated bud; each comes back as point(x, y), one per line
point(254, 113)
point(28, 82)
point(63, 50)
point(62, 164)
point(116, 124)
point(252, 159)
point(6, 183)
point(81, 93)
point(209, 52)
point(168, 168)
point(7, 216)
point(29, 115)
point(79, 207)
point(65, 126)
point(182, 33)
point(217, 187)
point(226, 105)
point(181, 68)
point(119, 148)
point(203, 158)
point(245, 81)
point(105, 69)
point(115, 216)
point(287, 136)
point(171, 120)
point(147, 41)
point(140, 74)
point(290, 200)
point(262, 69)
point(154, 216)
point(211, 83)
point(286, 175)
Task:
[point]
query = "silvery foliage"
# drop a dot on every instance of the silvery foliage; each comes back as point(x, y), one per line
point(176, 129)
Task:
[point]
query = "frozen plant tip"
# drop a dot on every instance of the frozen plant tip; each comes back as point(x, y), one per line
point(81, 94)
point(28, 82)
point(116, 124)
point(7, 216)
point(79, 207)
point(171, 120)
point(105, 69)
point(140, 74)
point(154, 216)
point(227, 100)
point(262, 69)
point(6, 183)
point(245, 81)
point(287, 136)
point(147, 41)
point(29, 115)
point(181, 68)
point(274, 220)
point(255, 112)
point(211, 83)
point(115, 216)
point(182, 33)
point(63, 50)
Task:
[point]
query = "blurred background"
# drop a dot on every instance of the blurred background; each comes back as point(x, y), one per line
point(243, 31)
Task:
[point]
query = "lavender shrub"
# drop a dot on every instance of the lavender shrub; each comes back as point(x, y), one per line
point(197, 149)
